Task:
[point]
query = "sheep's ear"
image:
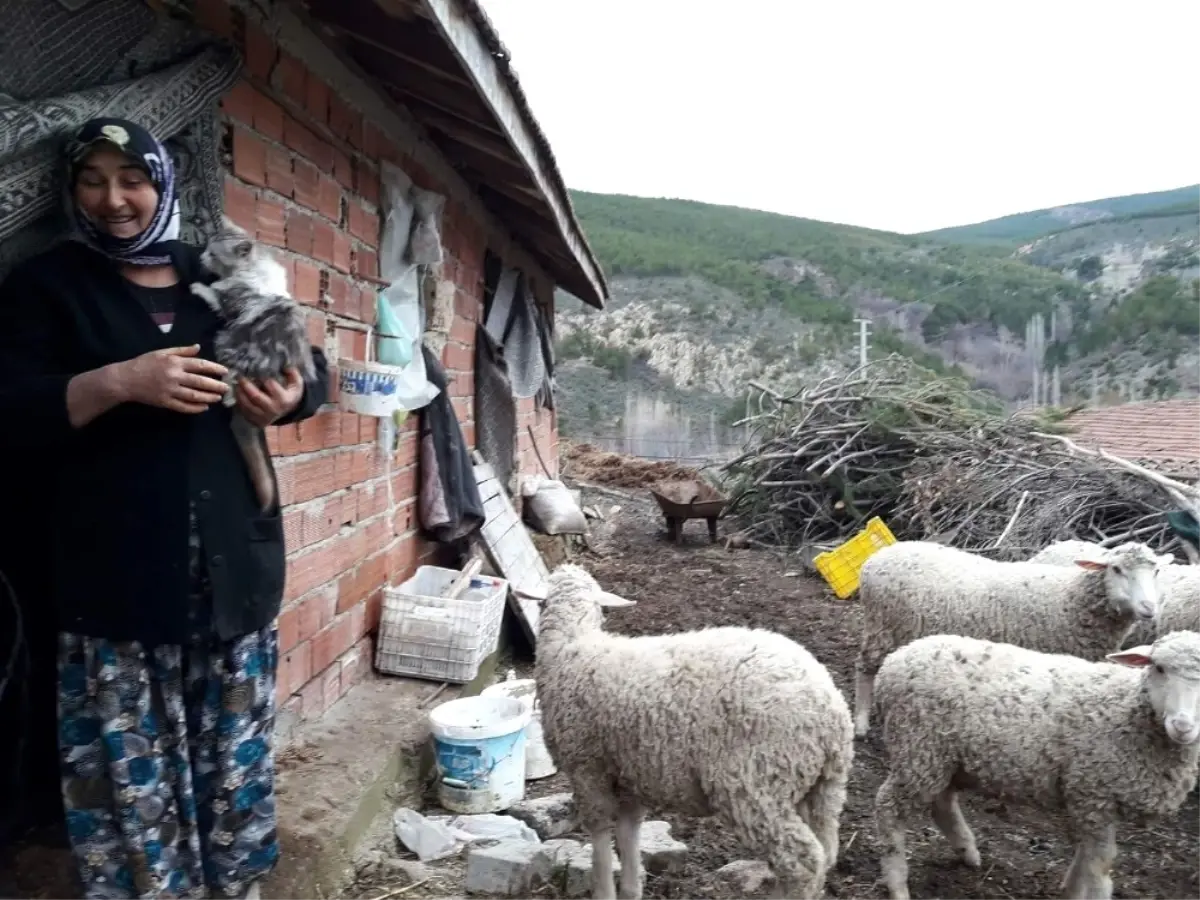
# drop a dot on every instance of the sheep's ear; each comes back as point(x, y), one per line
point(612, 601)
point(1093, 564)
point(1166, 559)
point(1138, 657)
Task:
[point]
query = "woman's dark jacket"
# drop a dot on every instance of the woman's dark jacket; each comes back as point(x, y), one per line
point(119, 488)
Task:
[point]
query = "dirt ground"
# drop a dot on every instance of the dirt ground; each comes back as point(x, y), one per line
point(698, 584)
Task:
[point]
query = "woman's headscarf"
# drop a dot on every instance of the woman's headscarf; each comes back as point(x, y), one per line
point(150, 248)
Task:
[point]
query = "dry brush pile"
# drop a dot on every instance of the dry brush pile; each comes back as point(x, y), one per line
point(936, 461)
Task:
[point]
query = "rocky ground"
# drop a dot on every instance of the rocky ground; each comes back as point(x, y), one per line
point(697, 584)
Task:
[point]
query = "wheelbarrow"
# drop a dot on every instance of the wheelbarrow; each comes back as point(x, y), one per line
point(688, 499)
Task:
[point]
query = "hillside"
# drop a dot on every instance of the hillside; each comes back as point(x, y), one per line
point(707, 298)
point(1021, 227)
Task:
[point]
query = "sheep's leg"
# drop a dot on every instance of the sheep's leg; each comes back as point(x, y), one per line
point(824, 804)
point(629, 824)
point(894, 803)
point(948, 817)
point(797, 858)
point(1089, 877)
point(864, 690)
point(597, 807)
point(758, 820)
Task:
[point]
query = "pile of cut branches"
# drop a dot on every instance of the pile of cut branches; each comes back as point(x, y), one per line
point(935, 460)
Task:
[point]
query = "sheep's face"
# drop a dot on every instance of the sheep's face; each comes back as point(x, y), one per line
point(1172, 682)
point(1130, 578)
point(573, 594)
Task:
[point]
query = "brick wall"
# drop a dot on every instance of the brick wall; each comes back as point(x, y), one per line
point(304, 140)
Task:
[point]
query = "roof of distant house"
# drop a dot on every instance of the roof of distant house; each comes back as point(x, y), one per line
point(443, 60)
point(1165, 433)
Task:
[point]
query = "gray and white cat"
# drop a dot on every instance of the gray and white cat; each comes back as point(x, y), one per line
point(264, 332)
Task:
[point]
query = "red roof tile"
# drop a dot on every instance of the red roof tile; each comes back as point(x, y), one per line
point(1165, 433)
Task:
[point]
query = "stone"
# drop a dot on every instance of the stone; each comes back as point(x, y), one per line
point(551, 816)
point(552, 863)
point(579, 873)
point(502, 869)
point(745, 876)
point(661, 853)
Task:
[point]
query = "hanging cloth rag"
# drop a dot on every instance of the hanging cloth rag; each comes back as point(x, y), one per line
point(450, 507)
point(511, 323)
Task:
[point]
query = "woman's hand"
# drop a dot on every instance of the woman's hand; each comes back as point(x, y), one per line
point(269, 401)
point(175, 378)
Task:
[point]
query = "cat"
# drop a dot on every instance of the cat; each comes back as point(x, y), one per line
point(263, 333)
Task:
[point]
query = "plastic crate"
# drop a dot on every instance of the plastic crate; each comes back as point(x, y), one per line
point(841, 565)
point(425, 635)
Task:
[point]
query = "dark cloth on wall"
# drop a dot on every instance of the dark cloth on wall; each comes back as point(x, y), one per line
point(450, 505)
point(118, 498)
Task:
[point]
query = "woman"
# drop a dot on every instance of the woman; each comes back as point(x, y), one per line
point(167, 579)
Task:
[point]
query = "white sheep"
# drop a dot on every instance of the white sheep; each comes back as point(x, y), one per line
point(1104, 743)
point(913, 588)
point(1178, 609)
point(739, 723)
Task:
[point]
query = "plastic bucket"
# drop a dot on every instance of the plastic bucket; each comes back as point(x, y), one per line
point(479, 749)
point(538, 762)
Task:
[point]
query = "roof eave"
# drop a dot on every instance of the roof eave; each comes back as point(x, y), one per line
point(463, 26)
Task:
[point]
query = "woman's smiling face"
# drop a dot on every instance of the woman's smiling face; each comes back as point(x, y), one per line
point(115, 194)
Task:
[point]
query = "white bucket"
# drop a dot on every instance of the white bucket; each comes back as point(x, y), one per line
point(479, 749)
point(538, 762)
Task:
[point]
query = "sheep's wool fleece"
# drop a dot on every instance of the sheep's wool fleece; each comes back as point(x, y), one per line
point(1054, 730)
point(913, 588)
point(725, 717)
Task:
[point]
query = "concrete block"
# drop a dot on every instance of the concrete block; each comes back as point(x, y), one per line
point(503, 869)
point(579, 873)
point(551, 816)
point(661, 853)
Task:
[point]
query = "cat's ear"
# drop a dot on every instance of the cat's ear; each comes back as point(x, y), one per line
point(228, 225)
point(243, 249)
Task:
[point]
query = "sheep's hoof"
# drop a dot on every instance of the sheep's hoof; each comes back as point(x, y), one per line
point(970, 857)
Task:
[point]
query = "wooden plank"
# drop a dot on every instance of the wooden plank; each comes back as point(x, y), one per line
point(512, 551)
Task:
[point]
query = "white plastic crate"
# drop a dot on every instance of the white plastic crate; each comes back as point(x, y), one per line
point(426, 635)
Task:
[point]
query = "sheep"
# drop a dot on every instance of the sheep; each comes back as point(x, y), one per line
point(740, 723)
point(1101, 742)
point(1179, 584)
point(913, 588)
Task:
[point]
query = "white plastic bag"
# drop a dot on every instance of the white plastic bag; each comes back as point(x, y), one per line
point(425, 242)
point(552, 510)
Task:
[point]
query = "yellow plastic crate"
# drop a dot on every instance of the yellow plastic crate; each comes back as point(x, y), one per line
point(841, 565)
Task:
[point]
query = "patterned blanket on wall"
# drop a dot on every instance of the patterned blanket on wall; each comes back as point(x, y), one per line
point(63, 62)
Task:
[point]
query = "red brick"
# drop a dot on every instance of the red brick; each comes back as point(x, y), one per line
point(323, 242)
point(302, 141)
point(312, 699)
point(329, 199)
point(290, 77)
point(341, 251)
point(373, 140)
point(371, 613)
point(337, 295)
point(313, 478)
point(368, 184)
point(300, 233)
point(315, 612)
point(462, 331)
point(404, 483)
point(352, 344)
point(331, 685)
point(372, 499)
point(238, 104)
point(356, 663)
point(457, 358)
point(279, 170)
point(313, 568)
point(316, 337)
point(307, 184)
point(462, 384)
point(295, 668)
point(341, 168)
point(345, 122)
point(293, 530)
point(316, 99)
point(403, 558)
point(269, 216)
point(333, 641)
point(354, 587)
point(268, 117)
point(249, 157)
point(307, 286)
point(289, 440)
point(289, 629)
point(240, 204)
point(324, 519)
point(260, 52)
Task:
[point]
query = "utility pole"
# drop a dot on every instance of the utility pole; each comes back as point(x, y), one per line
point(863, 325)
point(1095, 389)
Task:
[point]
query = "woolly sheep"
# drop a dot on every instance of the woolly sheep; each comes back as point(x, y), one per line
point(1102, 742)
point(739, 723)
point(913, 588)
point(1179, 606)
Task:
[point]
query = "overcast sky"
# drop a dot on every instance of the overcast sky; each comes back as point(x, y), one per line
point(895, 114)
